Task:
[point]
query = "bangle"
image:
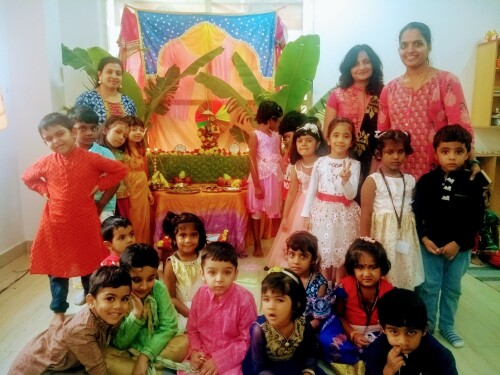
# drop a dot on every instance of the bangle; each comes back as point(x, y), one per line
point(353, 333)
point(474, 161)
point(308, 371)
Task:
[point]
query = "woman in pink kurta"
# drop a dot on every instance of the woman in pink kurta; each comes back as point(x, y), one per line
point(421, 101)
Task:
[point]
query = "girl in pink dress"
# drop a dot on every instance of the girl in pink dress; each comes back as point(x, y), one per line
point(266, 176)
point(307, 145)
point(423, 100)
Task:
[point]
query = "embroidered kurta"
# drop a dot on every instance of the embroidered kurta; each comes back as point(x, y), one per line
point(221, 328)
point(68, 242)
point(422, 112)
point(134, 333)
point(105, 109)
point(80, 340)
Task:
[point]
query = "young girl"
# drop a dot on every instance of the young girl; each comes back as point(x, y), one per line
point(355, 323)
point(303, 259)
point(182, 274)
point(386, 213)
point(264, 182)
point(334, 216)
point(140, 197)
point(307, 145)
point(281, 341)
point(114, 135)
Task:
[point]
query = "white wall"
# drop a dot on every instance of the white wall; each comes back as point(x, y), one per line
point(34, 83)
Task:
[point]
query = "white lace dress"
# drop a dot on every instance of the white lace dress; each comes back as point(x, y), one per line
point(335, 224)
point(406, 269)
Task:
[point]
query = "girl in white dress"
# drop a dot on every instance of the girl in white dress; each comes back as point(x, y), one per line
point(307, 145)
point(330, 212)
point(386, 213)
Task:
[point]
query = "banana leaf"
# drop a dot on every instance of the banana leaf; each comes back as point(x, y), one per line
point(201, 62)
point(296, 71)
point(223, 90)
point(318, 109)
point(239, 134)
point(248, 78)
point(79, 59)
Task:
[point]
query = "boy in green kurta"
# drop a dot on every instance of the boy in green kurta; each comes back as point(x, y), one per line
point(149, 333)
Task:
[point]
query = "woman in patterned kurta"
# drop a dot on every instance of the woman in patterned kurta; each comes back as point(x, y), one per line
point(357, 98)
point(105, 99)
point(421, 101)
point(68, 242)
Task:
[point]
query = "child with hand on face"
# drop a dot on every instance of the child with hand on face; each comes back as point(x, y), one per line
point(117, 233)
point(355, 323)
point(147, 336)
point(68, 243)
point(78, 343)
point(406, 347)
point(220, 315)
point(182, 274)
point(85, 122)
point(282, 342)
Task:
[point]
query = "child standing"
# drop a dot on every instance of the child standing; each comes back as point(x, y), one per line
point(303, 259)
point(386, 213)
point(148, 334)
point(85, 122)
point(114, 135)
point(355, 323)
point(140, 197)
point(266, 176)
point(78, 344)
point(307, 145)
point(282, 342)
point(449, 210)
point(117, 233)
point(406, 347)
point(182, 273)
point(70, 225)
point(220, 315)
point(332, 214)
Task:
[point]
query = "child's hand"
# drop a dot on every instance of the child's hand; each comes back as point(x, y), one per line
point(208, 368)
point(431, 246)
point(450, 250)
point(197, 360)
point(141, 365)
point(137, 306)
point(360, 340)
point(259, 193)
point(94, 190)
point(345, 172)
point(46, 196)
point(151, 198)
point(394, 361)
point(284, 224)
point(306, 224)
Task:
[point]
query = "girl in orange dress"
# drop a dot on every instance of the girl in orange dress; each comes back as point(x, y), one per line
point(140, 197)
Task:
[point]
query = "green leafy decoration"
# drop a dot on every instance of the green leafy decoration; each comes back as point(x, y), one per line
point(201, 62)
point(248, 78)
point(318, 109)
point(239, 134)
point(79, 59)
point(159, 92)
point(242, 117)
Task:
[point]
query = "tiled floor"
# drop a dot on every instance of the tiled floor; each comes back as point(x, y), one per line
point(24, 312)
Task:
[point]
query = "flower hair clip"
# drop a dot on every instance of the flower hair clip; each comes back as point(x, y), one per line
point(367, 239)
point(313, 128)
point(378, 134)
point(282, 270)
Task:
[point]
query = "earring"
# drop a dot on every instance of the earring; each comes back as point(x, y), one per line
point(99, 81)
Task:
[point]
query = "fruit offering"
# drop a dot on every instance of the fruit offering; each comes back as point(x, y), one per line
point(181, 178)
point(158, 181)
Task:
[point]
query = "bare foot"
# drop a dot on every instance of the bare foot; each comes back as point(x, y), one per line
point(257, 252)
point(243, 254)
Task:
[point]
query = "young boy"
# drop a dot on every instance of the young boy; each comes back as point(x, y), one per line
point(117, 233)
point(79, 342)
point(148, 333)
point(449, 209)
point(68, 243)
point(221, 314)
point(406, 347)
point(85, 121)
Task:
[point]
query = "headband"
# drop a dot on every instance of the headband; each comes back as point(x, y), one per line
point(379, 134)
point(367, 239)
point(282, 270)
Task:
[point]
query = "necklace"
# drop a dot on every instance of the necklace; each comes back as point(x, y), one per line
point(307, 166)
point(424, 76)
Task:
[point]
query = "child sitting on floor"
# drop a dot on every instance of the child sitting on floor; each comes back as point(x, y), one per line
point(117, 233)
point(148, 334)
point(406, 347)
point(78, 343)
point(221, 314)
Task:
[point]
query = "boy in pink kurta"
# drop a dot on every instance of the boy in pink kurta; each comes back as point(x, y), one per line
point(68, 242)
point(221, 314)
point(422, 112)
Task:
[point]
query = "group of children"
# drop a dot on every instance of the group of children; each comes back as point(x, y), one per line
point(144, 319)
